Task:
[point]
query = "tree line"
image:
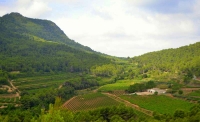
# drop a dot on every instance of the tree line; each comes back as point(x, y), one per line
point(140, 87)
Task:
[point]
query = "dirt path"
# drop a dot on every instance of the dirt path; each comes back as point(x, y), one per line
point(60, 86)
point(15, 88)
point(97, 89)
point(127, 103)
point(12, 85)
point(170, 95)
point(65, 104)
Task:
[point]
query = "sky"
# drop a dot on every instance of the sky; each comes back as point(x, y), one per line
point(118, 27)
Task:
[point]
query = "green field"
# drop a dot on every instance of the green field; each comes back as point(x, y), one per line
point(42, 82)
point(45, 78)
point(195, 93)
point(161, 104)
point(90, 101)
point(119, 85)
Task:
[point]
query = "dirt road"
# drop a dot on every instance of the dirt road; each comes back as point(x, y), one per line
point(65, 104)
point(15, 88)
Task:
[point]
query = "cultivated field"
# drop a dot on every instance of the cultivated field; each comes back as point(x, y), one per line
point(119, 85)
point(42, 82)
point(89, 101)
point(4, 102)
point(195, 94)
point(158, 103)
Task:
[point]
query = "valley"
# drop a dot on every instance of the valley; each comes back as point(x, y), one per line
point(45, 75)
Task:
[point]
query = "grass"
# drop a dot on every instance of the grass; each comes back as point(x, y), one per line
point(161, 104)
point(46, 78)
point(90, 101)
point(195, 93)
point(1, 100)
point(12, 99)
point(7, 100)
point(40, 89)
point(40, 85)
point(17, 100)
point(119, 85)
point(39, 82)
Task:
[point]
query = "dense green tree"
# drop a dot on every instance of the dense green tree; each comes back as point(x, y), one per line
point(180, 92)
point(139, 87)
point(106, 70)
point(179, 114)
point(180, 61)
point(23, 40)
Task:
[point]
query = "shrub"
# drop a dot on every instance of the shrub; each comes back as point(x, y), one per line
point(180, 92)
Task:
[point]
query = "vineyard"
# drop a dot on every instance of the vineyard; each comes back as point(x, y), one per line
point(159, 103)
point(114, 94)
point(89, 101)
point(11, 93)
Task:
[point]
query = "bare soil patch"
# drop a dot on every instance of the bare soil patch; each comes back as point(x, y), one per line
point(189, 90)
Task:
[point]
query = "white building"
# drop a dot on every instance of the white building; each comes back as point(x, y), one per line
point(159, 91)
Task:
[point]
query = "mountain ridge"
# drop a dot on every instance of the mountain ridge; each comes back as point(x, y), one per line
point(26, 46)
point(45, 29)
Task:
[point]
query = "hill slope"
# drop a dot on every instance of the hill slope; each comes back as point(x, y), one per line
point(44, 29)
point(183, 60)
point(32, 45)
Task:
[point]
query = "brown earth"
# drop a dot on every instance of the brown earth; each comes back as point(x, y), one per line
point(189, 90)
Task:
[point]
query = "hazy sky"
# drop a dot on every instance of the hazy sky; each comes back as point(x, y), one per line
point(118, 27)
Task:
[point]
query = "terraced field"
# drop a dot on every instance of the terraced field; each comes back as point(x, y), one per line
point(9, 99)
point(41, 82)
point(10, 96)
point(89, 101)
point(31, 84)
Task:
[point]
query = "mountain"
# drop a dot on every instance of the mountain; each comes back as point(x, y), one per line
point(183, 60)
point(33, 45)
point(44, 29)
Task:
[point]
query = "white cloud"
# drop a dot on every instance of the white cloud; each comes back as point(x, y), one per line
point(33, 8)
point(128, 27)
point(29, 8)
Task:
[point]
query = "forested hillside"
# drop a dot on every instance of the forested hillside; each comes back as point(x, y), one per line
point(184, 60)
point(38, 46)
point(44, 29)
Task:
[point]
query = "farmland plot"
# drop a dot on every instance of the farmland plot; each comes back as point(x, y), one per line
point(119, 85)
point(90, 101)
point(41, 82)
point(195, 93)
point(161, 103)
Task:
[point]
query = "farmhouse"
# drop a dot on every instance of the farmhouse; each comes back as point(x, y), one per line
point(150, 92)
point(159, 91)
